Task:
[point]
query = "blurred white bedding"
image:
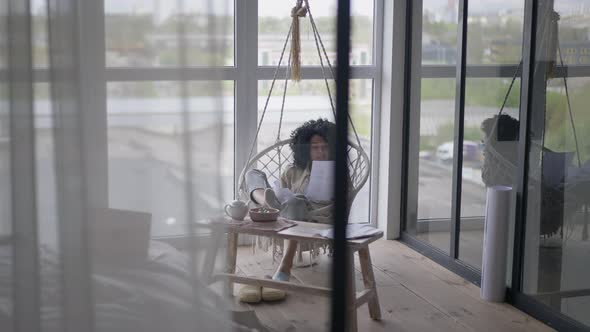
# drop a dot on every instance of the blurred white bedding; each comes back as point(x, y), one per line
point(158, 295)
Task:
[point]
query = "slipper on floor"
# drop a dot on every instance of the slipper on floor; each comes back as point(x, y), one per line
point(272, 294)
point(250, 294)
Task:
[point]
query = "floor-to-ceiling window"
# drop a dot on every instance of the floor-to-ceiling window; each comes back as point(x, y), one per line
point(555, 270)
point(310, 98)
point(481, 113)
point(446, 196)
point(145, 118)
point(143, 86)
point(435, 33)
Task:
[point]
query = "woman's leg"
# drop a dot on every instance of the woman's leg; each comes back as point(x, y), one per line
point(259, 188)
point(257, 195)
point(256, 181)
point(288, 256)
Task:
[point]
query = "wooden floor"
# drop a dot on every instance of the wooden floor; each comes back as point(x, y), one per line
point(416, 294)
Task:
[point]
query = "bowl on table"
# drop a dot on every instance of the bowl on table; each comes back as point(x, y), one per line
point(263, 214)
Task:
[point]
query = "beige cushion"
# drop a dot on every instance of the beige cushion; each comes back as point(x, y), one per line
point(250, 294)
point(272, 294)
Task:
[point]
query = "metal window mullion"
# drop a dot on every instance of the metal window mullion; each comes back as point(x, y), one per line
point(315, 72)
point(246, 84)
point(130, 74)
point(25, 274)
point(412, 105)
point(378, 18)
point(472, 71)
point(529, 56)
point(459, 129)
point(342, 260)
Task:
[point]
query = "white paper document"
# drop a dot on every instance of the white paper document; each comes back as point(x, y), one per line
point(283, 194)
point(321, 181)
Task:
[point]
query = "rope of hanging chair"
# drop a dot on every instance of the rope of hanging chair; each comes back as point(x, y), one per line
point(504, 102)
point(585, 230)
point(268, 97)
point(295, 54)
point(318, 39)
point(283, 100)
point(569, 108)
point(283, 108)
point(299, 11)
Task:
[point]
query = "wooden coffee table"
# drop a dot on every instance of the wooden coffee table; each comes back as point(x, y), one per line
point(305, 231)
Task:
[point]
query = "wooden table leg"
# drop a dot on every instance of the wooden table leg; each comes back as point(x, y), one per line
point(369, 281)
point(351, 299)
point(231, 255)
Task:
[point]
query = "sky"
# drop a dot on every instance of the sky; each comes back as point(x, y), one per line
point(281, 8)
point(265, 7)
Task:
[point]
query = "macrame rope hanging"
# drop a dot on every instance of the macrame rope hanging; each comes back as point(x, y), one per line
point(293, 72)
point(301, 9)
point(296, 12)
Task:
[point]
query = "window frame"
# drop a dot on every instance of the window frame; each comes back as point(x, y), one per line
point(245, 73)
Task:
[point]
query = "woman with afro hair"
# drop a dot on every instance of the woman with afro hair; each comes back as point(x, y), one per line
point(312, 141)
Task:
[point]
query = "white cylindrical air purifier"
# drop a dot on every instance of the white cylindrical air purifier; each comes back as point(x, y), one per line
point(495, 244)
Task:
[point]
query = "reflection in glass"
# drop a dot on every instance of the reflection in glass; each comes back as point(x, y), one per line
point(557, 246)
point(490, 126)
point(489, 154)
point(274, 19)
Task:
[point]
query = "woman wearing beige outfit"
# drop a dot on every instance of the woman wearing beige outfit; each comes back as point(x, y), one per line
point(309, 142)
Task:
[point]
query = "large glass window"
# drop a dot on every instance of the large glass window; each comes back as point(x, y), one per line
point(147, 123)
point(494, 44)
point(146, 33)
point(493, 51)
point(275, 18)
point(430, 212)
point(557, 245)
point(144, 36)
point(435, 171)
point(151, 108)
point(309, 98)
point(439, 32)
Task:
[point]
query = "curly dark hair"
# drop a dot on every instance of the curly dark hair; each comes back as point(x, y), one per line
point(301, 140)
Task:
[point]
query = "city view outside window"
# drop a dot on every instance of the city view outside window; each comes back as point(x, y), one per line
point(494, 42)
point(309, 99)
point(145, 33)
point(145, 121)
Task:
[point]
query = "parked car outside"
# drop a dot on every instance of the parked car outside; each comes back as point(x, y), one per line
point(471, 152)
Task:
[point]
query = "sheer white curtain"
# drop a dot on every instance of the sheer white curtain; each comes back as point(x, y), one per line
point(70, 261)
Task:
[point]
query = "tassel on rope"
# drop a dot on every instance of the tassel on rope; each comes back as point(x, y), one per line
point(297, 12)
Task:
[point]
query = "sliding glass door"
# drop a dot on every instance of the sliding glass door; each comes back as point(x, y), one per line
point(458, 88)
point(498, 94)
point(555, 271)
